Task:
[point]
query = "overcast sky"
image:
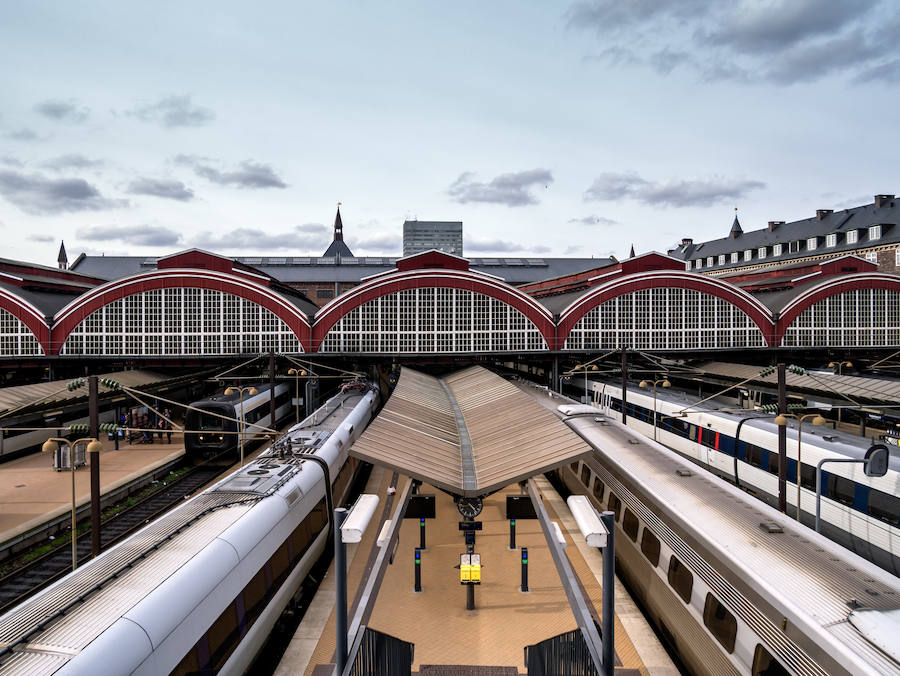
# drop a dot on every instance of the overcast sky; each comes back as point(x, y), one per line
point(547, 128)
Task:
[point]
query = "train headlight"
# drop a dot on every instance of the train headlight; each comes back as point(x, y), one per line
point(221, 437)
point(201, 437)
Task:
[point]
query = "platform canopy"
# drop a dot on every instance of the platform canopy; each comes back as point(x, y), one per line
point(469, 433)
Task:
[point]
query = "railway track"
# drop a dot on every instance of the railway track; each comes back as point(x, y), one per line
point(46, 569)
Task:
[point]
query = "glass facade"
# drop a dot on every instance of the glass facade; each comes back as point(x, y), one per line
point(433, 319)
point(181, 321)
point(664, 319)
point(861, 318)
point(16, 339)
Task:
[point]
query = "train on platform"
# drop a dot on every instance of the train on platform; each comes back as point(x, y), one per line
point(215, 424)
point(199, 590)
point(732, 585)
point(861, 513)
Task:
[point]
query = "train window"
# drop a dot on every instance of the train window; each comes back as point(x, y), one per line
point(585, 475)
point(693, 433)
point(189, 665)
point(840, 489)
point(766, 665)
point(574, 467)
point(223, 637)
point(720, 622)
point(753, 455)
point(650, 547)
point(255, 597)
point(630, 525)
point(709, 438)
point(281, 565)
point(614, 505)
point(808, 477)
point(773, 463)
point(884, 507)
point(210, 423)
point(681, 579)
point(598, 489)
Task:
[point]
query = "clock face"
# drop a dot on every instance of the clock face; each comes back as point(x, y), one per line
point(469, 507)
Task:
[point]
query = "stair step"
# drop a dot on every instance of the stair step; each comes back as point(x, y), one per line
point(465, 670)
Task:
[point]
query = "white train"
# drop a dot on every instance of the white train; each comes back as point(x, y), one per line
point(861, 513)
point(218, 435)
point(199, 590)
point(734, 586)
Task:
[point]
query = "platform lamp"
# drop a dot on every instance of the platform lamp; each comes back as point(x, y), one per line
point(585, 368)
point(645, 384)
point(297, 373)
point(240, 391)
point(840, 367)
point(782, 420)
point(52, 446)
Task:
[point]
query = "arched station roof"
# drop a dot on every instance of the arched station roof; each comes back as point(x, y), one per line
point(825, 289)
point(242, 285)
point(431, 269)
point(29, 315)
point(620, 285)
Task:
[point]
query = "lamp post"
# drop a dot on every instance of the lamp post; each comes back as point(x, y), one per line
point(52, 446)
point(782, 420)
point(584, 368)
point(297, 373)
point(875, 464)
point(240, 391)
point(840, 366)
point(645, 384)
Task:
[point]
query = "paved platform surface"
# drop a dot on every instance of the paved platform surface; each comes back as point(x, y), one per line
point(32, 492)
point(505, 620)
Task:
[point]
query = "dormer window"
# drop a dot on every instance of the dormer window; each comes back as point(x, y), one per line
point(776, 249)
point(721, 259)
point(699, 263)
point(852, 236)
point(874, 232)
point(794, 246)
point(734, 256)
point(748, 255)
point(811, 243)
point(761, 252)
point(709, 261)
point(831, 240)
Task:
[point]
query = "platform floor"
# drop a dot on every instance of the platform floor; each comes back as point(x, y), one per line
point(33, 493)
point(505, 620)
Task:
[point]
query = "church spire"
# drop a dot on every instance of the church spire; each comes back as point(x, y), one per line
point(736, 230)
point(338, 225)
point(62, 259)
point(631, 255)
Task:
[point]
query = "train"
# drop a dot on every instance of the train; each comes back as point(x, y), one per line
point(859, 512)
point(200, 589)
point(212, 434)
point(732, 585)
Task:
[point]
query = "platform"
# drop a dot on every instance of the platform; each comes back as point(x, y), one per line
point(505, 619)
point(32, 493)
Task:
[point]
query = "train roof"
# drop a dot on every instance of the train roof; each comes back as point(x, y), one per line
point(234, 398)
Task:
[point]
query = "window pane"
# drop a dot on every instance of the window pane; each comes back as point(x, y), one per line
point(615, 505)
point(884, 507)
point(630, 525)
point(586, 475)
point(650, 547)
point(720, 622)
point(766, 665)
point(680, 579)
point(598, 489)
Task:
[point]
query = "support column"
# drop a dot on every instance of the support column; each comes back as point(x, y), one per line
point(624, 384)
point(340, 570)
point(94, 459)
point(782, 441)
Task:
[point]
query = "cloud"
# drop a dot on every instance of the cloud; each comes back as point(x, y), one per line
point(571, 250)
point(249, 174)
point(593, 220)
point(12, 161)
point(174, 111)
point(377, 241)
point(72, 161)
point(23, 134)
point(611, 186)
point(161, 187)
point(309, 237)
point(63, 110)
point(513, 189)
point(37, 194)
point(784, 42)
point(135, 235)
point(40, 238)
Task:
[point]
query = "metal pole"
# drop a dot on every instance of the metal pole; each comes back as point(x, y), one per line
point(799, 466)
point(819, 484)
point(297, 397)
point(608, 599)
point(422, 533)
point(417, 565)
point(512, 533)
point(654, 409)
point(782, 441)
point(624, 384)
point(94, 431)
point(524, 586)
point(340, 569)
point(272, 388)
point(74, 525)
point(242, 427)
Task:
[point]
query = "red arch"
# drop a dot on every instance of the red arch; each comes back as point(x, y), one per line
point(329, 314)
point(75, 312)
point(829, 288)
point(750, 306)
point(29, 315)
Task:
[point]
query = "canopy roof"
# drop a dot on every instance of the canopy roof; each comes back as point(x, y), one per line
point(469, 433)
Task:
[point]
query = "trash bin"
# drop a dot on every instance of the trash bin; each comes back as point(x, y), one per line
point(61, 458)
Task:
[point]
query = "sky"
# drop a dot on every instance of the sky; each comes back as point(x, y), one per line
point(550, 129)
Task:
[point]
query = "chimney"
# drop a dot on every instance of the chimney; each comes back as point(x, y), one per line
point(686, 241)
point(884, 201)
point(822, 213)
point(774, 224)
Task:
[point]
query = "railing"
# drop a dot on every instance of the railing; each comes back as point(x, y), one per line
point(382, 654)
point(563, 655)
